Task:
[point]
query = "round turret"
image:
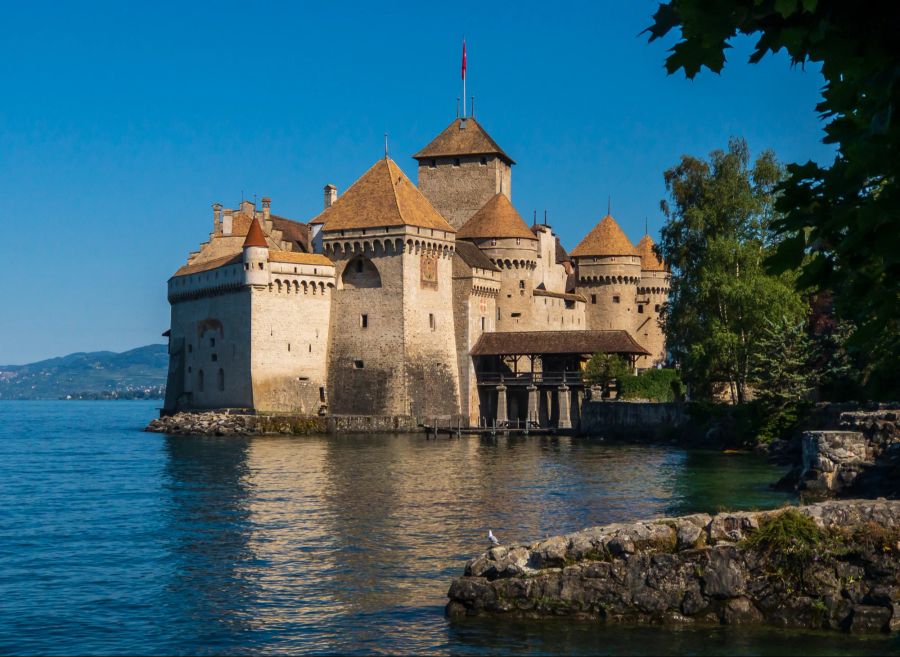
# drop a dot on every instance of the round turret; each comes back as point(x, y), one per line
point(256, 256)
point(652, 294)
point(499, 231)
point(608, 271)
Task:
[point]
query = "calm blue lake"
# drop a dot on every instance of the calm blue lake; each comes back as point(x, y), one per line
point(117, 541)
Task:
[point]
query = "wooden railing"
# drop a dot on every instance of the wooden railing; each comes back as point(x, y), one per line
point(529, 378)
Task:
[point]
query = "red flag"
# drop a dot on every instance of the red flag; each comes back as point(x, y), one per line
point(464, 60)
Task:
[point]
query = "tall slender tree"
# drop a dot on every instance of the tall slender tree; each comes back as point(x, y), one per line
point(720, 212)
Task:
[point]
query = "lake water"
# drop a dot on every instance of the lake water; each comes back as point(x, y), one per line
point(117, 541)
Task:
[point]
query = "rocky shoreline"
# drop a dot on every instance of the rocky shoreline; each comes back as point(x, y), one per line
point(832, 565)
point(228, 423)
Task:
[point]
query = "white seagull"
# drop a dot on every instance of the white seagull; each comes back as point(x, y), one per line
point(492, 538)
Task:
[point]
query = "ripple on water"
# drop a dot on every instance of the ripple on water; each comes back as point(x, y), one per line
point(117, 541)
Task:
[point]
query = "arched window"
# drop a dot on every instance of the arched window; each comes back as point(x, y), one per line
point(221, 379)
point(200, 380)
point(360, 272)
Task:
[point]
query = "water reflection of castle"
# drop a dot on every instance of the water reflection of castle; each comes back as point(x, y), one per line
point(398, 300)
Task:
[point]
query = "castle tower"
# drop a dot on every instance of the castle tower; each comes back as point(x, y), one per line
point(462, 169)
point(608, 270)
point(652, 293)
point(499, 231)
point(392, 349)
point(256, 256)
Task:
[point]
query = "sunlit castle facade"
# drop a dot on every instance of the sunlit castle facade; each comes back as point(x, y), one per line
point(428, 301)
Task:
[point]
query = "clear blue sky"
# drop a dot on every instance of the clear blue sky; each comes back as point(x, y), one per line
point(121, 123)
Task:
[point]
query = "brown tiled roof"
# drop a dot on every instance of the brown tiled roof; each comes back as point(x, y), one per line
point(186, 270)
point(299, 258)
point(510, 343)
point(606, 239)
point(292, 231)
point(559, 295)
point(474, 257)
point(255, 236)
point(496, 218)
point(382, 197)
point(649, 260)
point(463, 137)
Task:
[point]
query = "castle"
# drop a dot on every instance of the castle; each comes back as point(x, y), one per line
point(436, 300)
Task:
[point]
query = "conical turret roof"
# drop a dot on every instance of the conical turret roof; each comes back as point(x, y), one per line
point(463, 137)
point(255, 236)
point(496, 218)
point(606, 239)
point(383, 196)
point(649, 260)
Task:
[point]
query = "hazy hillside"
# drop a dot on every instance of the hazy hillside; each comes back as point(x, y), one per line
point(138, 373)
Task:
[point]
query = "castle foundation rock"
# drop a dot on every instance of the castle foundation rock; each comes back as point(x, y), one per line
point(701, 569)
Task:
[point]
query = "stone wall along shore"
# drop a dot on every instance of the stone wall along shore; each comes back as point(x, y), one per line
point(225, 423)
point(829, 565)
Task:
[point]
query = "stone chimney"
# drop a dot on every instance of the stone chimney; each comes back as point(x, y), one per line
point(217, 216)
point(227, 222)
point(330, 195)
point(266, 203)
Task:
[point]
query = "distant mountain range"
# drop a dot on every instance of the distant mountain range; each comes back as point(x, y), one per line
point(136, 374)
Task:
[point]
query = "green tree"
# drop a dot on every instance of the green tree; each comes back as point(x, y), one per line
point(602, 369)
point(782, 375)
point(840, 221)
point(717, 235)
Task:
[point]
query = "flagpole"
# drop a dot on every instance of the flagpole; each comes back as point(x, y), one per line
point(464, 77)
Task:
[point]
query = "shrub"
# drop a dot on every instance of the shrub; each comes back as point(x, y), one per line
point(662, 385)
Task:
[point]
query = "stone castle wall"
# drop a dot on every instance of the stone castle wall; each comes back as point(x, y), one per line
point(290, 329)
point(209, 348)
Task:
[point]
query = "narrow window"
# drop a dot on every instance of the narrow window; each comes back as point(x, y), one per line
point(518, 241)
point(322, 393)
point(190, 348)
point(498, 314)
point(593, 298)
point(200, 380)
point(641, 309)
point(221, 380)
point(260, 265)
point(656, 308)
point(484, 161)
point(364, 321)
point(456, 162)
point(616, 299)
point(214, 357)
point(358, 364)
point(310, 348)
point(212, 342)
point(289, 346)
point(247, 266)
point(515, 314)
point(431, 321)
point(189, 370)
point(521, 285)
point(482, 324)
point(432, 164)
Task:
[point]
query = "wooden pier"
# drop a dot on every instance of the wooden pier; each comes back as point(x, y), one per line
point(511, 428)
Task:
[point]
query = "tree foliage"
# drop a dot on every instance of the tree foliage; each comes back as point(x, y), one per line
point(602, 369)
point(839, 222)
point(716, 238)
